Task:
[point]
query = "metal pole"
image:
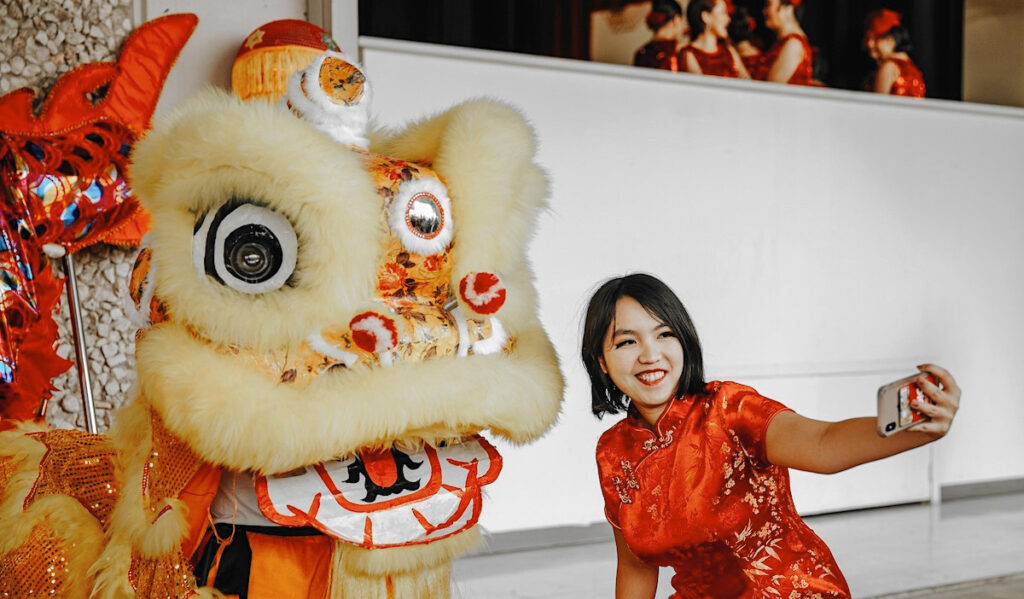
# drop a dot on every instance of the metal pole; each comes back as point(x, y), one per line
point(79, 334)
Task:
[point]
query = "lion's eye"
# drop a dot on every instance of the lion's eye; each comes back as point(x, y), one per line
point(245, 246)
point(421, 216)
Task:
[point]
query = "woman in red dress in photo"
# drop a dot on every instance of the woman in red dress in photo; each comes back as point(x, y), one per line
point(888, 42)
point(741, 34)
point(790, 60)
point(666, 21)
point(695, 477)
point(710, 52)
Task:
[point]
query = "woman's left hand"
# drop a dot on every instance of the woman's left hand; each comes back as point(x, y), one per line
point(943, 403)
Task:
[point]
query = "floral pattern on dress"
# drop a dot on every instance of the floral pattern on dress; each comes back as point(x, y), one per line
point(722, 516)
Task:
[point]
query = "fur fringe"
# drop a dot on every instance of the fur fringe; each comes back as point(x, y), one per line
point(241, 419)
point(64, 516)
point(132, 526)
point(416, 572)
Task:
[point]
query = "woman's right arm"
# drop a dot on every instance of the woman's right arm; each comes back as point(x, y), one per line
point(633, 578)
point(691, 64)
point(790, 57)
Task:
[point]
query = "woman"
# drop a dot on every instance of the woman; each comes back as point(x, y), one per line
point(741, 33)
point(790, 60)
point(888, 42)
point(666, 22)
point(710, 52)
point(696, 476)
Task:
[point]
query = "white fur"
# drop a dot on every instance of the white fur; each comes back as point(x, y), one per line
point(399, 208)
point(495, 342)
point(346, 124)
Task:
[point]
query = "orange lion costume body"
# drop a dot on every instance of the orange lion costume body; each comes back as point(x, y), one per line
point(331, 322)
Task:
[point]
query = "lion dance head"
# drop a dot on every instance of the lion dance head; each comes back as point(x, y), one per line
point(332, 318)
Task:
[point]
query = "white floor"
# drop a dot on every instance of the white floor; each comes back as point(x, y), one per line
point(881, 552)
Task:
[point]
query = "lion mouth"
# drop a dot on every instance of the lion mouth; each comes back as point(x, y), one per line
point(386, 498)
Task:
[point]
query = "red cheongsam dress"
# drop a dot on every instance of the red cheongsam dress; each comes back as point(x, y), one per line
point(910, 82)
point(755, 65)
point(699, 495)
point(720, 62)
point(657, 54)
point(804, 73)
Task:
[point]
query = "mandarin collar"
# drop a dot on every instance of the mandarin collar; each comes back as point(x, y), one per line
point(669, 415)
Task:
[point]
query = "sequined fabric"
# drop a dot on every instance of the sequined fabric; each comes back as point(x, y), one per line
point(171, 464)
point(804, 73)
point(910, 82)
point(168, 577)
point(658, 54)
point(755, 65)
point(79, 465)
point(7, 469)
point(37, 568)
point(699, 495)
point(719, 63)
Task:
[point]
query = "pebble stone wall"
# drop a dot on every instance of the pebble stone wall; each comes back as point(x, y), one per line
point(39, 41)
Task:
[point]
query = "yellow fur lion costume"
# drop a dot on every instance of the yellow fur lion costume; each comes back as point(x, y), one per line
point(331, 323)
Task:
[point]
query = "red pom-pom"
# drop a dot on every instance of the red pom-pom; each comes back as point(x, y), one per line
point(373, 332)
point(483, 292)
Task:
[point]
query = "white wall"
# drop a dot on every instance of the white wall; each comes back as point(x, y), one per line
point(824, 242)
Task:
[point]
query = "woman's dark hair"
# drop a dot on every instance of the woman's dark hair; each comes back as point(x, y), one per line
point(656, 297)
point(742, 26)
point(662, 11)
point(694, 10)
point(901, 36)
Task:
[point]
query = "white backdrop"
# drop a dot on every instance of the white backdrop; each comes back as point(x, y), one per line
point(824, 242)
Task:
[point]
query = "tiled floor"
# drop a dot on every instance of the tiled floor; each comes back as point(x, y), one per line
point(882, 552)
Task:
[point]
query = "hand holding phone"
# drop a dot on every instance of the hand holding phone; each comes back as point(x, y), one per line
point(895, 404)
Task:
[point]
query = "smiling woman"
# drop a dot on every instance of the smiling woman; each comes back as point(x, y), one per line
point(696, 476)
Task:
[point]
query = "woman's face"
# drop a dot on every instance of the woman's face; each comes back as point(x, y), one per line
point(643, 357)
point(717, 20)
point(885, 47)
point(772, 19)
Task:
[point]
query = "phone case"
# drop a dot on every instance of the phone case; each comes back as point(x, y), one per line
point(894, 399)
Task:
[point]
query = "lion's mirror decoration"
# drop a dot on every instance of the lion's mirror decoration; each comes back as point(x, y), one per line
point(330, 324)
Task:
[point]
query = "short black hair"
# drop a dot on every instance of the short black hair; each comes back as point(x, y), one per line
point(901, 36)
point(662, 11)
point(663, 304)
point(694, 10)
point(742, 25)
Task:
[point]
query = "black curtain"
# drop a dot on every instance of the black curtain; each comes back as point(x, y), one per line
point(545, 27)
point(562, 28)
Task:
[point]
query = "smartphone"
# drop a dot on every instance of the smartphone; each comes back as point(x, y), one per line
point(894, 400)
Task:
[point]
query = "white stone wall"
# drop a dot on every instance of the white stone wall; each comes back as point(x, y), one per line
point(39, 41)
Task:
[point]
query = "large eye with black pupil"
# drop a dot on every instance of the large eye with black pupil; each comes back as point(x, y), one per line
point(248, 247)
